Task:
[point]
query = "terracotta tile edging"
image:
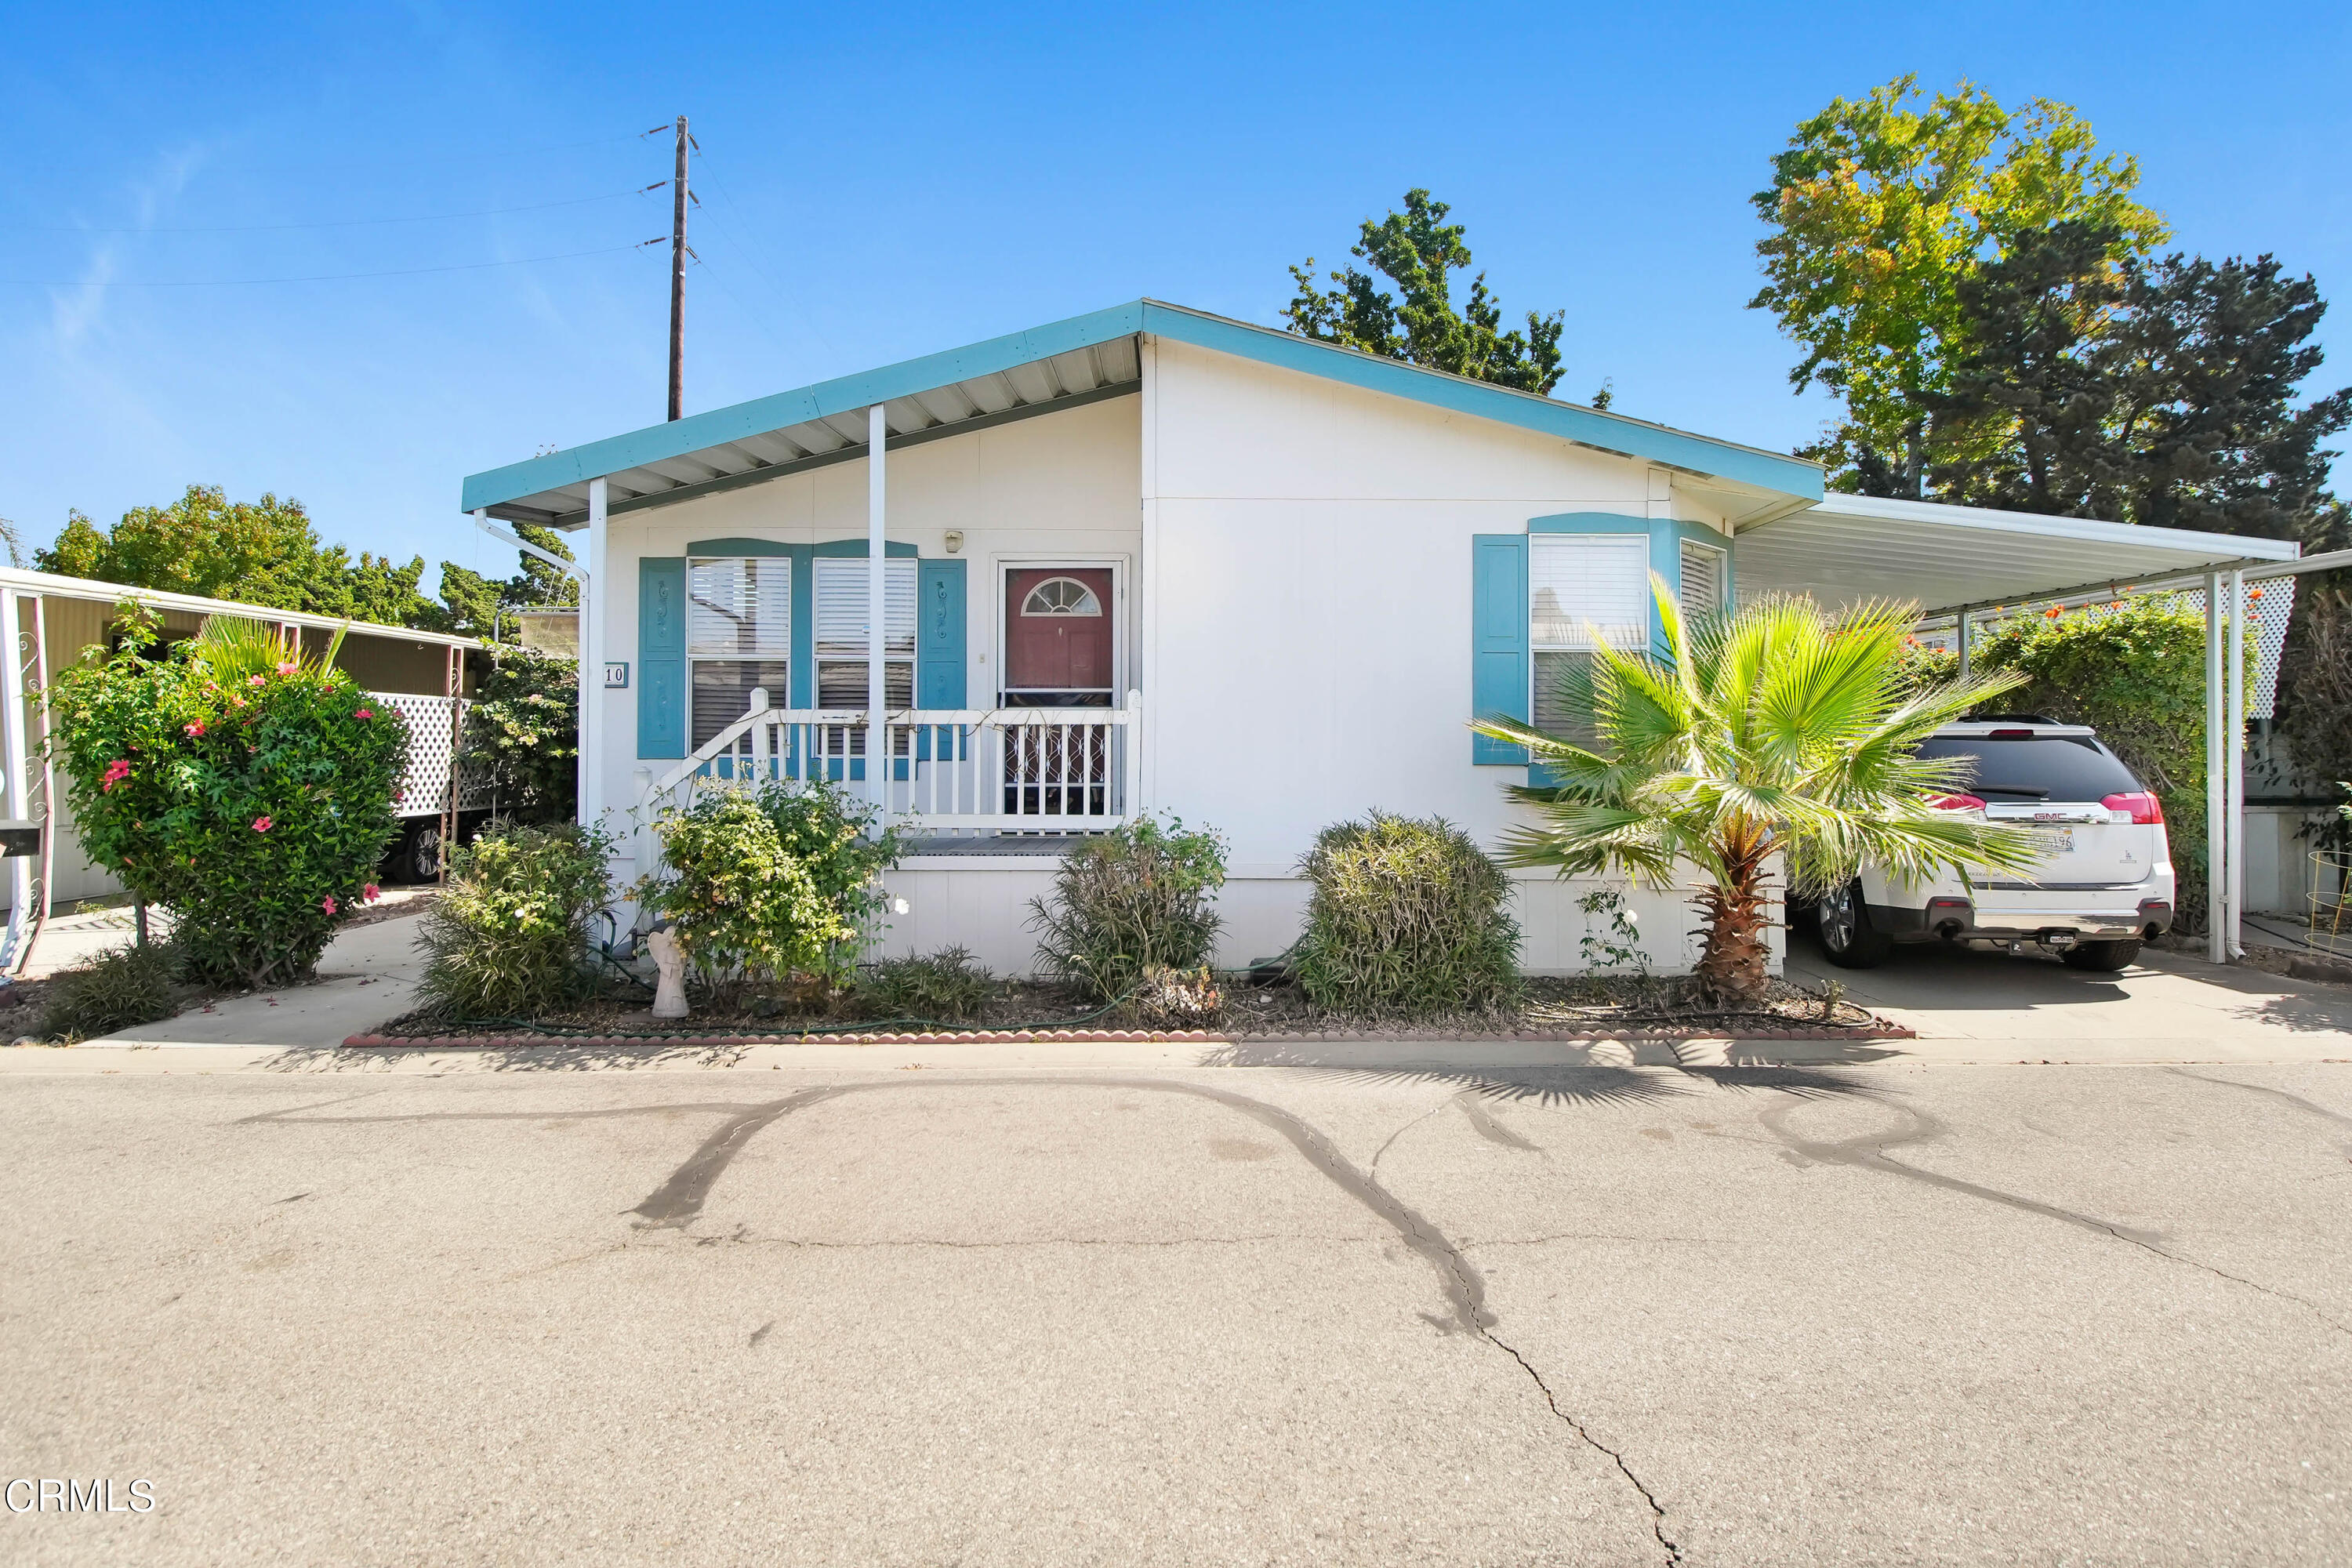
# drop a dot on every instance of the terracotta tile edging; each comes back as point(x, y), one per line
point(1881, 1030)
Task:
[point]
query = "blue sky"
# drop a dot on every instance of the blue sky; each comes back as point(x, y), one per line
point(882, 182)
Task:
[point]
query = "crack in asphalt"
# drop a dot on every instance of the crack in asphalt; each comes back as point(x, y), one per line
point(1868, 1151)
point(678, 1201)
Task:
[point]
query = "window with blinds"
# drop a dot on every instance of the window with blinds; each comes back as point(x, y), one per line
point(739, 631)
point(841, 627)
point(1579, 585)
point(1702, 580)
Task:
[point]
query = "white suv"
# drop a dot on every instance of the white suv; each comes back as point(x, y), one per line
point(2105, 887)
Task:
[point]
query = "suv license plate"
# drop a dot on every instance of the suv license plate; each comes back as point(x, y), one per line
point(2060, 840)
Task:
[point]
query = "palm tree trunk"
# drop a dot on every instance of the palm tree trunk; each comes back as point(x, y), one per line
point(1733, 960)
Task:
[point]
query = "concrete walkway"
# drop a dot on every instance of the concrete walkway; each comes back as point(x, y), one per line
point(368, 975)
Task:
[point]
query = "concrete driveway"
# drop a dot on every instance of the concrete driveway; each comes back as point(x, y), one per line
point(1969, 1004)
point(461, 1310)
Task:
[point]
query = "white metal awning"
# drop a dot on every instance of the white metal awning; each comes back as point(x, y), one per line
point(1849, 548)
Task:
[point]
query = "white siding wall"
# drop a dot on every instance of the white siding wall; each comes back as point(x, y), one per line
point(1309, 628)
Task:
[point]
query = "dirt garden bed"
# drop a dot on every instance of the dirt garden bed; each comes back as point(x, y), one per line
point(1579, 1009)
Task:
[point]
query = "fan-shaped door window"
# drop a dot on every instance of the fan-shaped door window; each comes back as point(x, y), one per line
point(1061, 596)
point(1058, 642)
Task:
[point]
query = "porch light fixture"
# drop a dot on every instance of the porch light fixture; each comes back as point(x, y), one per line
point(954, 539)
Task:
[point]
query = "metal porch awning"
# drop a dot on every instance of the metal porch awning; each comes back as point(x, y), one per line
point(1946, 558)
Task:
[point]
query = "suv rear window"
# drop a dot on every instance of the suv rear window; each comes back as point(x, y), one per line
point(2063, 768)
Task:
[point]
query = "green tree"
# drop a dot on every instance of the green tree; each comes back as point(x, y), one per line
point(1415, 249)
point(474, 604)
point(2157, 392)
point(256, 552)
point(1880, 211)
point(1785, 729)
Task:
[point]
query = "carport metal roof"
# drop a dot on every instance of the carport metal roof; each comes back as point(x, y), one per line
point(1949, 558)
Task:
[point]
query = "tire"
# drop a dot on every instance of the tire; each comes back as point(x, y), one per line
point(420, 851)
point(1848, 938)
point(2104, 956)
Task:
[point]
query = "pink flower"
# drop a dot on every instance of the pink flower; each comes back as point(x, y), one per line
point(328, 903)
point(261, 824)
point(371, 892)
point(193, 730)
point(257, 679)
point(286, 669)
point(367, 713)
point(116, 772)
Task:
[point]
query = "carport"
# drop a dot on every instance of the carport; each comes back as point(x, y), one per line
point(1959, 561)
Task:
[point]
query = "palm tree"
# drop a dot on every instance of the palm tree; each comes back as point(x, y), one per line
point(1782, 729)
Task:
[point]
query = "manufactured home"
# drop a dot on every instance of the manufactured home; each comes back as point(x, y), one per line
point(1151, 560)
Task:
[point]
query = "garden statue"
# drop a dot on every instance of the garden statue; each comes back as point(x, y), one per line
point(669, 998)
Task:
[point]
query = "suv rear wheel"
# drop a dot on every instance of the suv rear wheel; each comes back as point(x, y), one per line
point(1847, 935)
point(2108, 956)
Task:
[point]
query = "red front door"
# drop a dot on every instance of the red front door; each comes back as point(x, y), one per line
point(1057, 637)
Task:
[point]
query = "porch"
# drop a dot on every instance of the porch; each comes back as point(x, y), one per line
point(953, 777)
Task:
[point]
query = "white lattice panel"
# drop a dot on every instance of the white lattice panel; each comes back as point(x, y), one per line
point(2269, 613)
point(425, 787)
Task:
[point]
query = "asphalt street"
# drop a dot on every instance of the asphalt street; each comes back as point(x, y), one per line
point(1899, 1312)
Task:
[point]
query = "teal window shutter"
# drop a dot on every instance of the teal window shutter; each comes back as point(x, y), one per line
point(940, 636)
point(661, 657)
point(1498, 641)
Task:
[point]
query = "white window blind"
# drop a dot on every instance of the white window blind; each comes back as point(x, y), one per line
point(740, 607)
point(1583, 583)
point(841, 604)
point(1702, 583)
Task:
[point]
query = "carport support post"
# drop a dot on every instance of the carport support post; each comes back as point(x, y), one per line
point(1960, 640)
point(2234, 738)
point(2216, 850)
point(878, 734)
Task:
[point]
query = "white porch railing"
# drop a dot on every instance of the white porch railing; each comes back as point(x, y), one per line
point(998, 770)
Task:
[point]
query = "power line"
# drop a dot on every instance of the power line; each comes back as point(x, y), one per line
point(725, 193)
point(477, 154)
point(314, 277)
point(333, 223)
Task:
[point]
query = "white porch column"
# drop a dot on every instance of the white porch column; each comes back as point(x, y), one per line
point(2234, 740)
point(1960, 639)
point(591, 659)
point(2217, 853)
point(877, 760)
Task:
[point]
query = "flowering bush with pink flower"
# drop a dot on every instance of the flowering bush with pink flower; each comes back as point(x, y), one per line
point(258, 818)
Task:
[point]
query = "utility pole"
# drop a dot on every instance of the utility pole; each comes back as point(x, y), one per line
point(677, 279)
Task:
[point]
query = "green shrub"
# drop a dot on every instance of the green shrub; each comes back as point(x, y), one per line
point(525, 724)
point(510, 935)
point(1407, 918)
point(769, 882)
point(829, 832)
point(114, 991)
point(1135, 897)
point(244, 785)
point(947, 985)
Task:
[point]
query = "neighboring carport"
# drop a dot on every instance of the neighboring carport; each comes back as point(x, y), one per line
point(1956, 562)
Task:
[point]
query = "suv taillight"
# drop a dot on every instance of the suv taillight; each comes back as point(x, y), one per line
point(2144, 807)
point(1957, 803)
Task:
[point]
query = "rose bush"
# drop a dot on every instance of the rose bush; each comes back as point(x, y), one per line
point(246, 788)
